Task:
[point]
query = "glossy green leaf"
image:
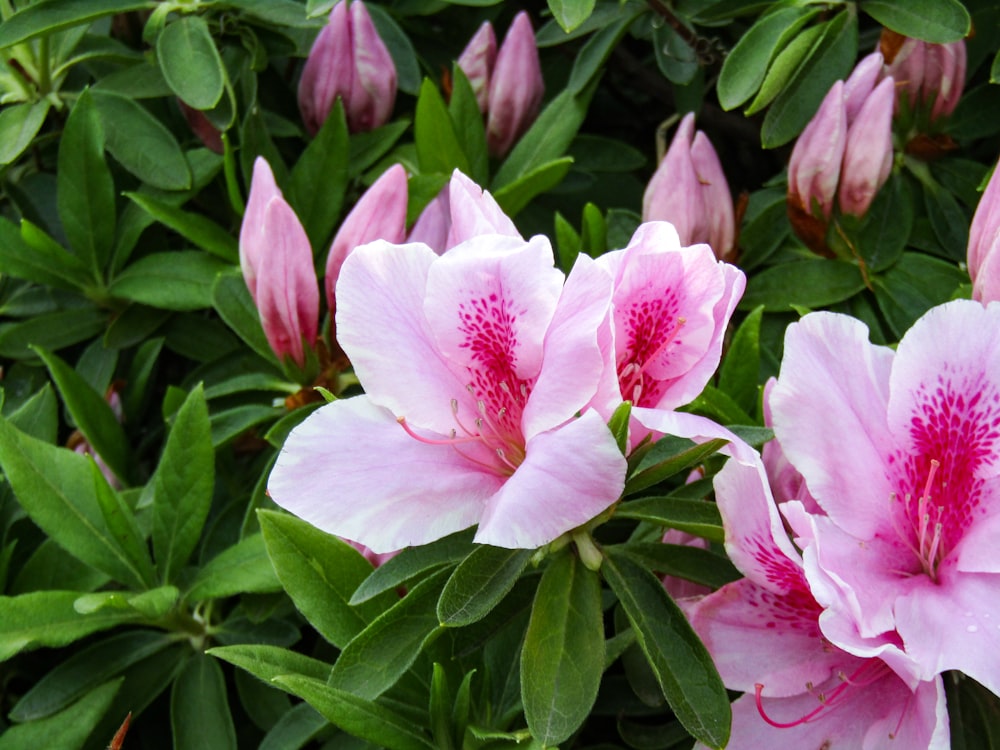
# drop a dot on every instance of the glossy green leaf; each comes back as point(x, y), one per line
point(515, 195)
point(235, 306)
point(242, 568)
point(66, 730)
point(182, 486)
point(694, 564)
point(668, 457)
point(324, 162)
point(122, 524)
point(937, 21)
point(679, 660)
point(829, 60)
point(177, 280)
point(886, 228)
point(915, 284)
point(571, 13)
point(949, 221)
point(745, 66)
point(49, 619)
point(200, 230)
point(55, 15)
point(693, 516)
point(190, 62)
point(479, 582)
point(267, 662)
point(85, 192)
point(84, 670)
point(199, 711)
point(45, 262)
point(404, 57)
point(414, 562)
point(319, 572)
point(19, 124)
point(470, 130)
point(563, 654)
point(739, 375)
point(295, 729)
point(141, 143)
point(51, 331)
point(368, 148)
point(152, 604)
point(786, 62)
point(811, 283)
point(362, 718)
point(593, 56)
point(438, 148)
point(380, 654)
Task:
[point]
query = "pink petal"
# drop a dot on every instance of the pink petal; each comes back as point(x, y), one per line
point(477, 61)
point(861, 82)
point(814, 166)
point(516, 87)
point(868, 154)
point(569, 476)
point(719, 212)
point(674, 193)
point(431, 227)
point(263, 189)
point(381, 326)
point(474, 212)
point(379, 214)
point(983, 241)
point(351, 470)
point(373, 86)
point(659, 422)
point(829, 409)
point(328, 70)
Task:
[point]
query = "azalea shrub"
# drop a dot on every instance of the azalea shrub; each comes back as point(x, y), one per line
point(422, 374)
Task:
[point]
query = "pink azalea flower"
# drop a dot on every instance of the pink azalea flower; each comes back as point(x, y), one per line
point(478, 366)
point(901, 450)
point(764, 634)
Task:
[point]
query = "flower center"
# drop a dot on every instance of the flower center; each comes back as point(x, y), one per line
point(870, 671)
point(632, 367)
point(922, 525)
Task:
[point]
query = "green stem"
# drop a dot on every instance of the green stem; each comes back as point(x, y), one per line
point(44, 67)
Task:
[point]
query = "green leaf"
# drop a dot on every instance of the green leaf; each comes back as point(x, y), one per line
point(515, 195)
point(469, 127)
point(915, 284)
point(319, 572)
point(745, 66)
point(121, 522)
point(190, 62)
point(563, 654)
point(268, 662)
point(362, 718)
point(739, 374)
point(368, 148)
point(49, 619)
point(295, 729)
point(784, 66)
point(85, 192)
point(182, 486)
point(84, 670)
point(55, 486)
point(141, 143)
point(56, 15)
point(32, 255)
point(175, 280)
point(235, 306)
point(571, 13)
point(242, 568)
point(938, 21)
point(684, 561)
point(324, 162)
point(693, 516)
point(547, 139)
point(199, 712)
point(949, 221)
point(19, 124)
point(669, 456)
point(479, 582)
point(152, 604)
point(812, 283)
point(52, 331)
point(829, 60)
point(66, 730)
point(197, 228)
point(886, 228)
point(679, 660)
point(380, 654)
point(438, 149)
point(592, 57)
point(412, 562)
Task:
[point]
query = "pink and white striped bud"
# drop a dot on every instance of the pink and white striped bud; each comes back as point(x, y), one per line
point(690, 191)
point(944, 77)
point(277, 263)
point(814, 166)
point(380, 214)
point(516, 87)
point(861, 82)
point(348, 60)
point(477, 62)
point(984, 244)
point(868, 154)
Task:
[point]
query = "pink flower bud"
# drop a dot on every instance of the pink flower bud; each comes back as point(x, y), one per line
point(431, 227)
point(868, 153)
point(860, 83)
point(348, 60)
point(689, 190)
point(202, 127)
point(287, 288)
point(984, 244)
point(814, 166)
point(944, 77)
point(380, 214)
point(253, 246)
point(907, 69)
point(477, 61)
point(516, 87)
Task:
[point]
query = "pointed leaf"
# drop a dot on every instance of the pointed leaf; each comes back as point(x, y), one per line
point(199, 712)
point(55, 15)
point(479, 583)
point(438, 149)
point(267, 662)
point(43, 262)
point(174, 280)
point(66, 730)
point(242, 568)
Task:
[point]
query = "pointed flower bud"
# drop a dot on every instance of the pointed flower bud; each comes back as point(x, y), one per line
point(868, 153)
point(516, 87)
point(860, 83)
point(380, 214)
point(690, 191)
point(348, 60)
point(277, 265)
point(930, 76)
point(814, 166)
point(984, 244)
point(477, 61)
